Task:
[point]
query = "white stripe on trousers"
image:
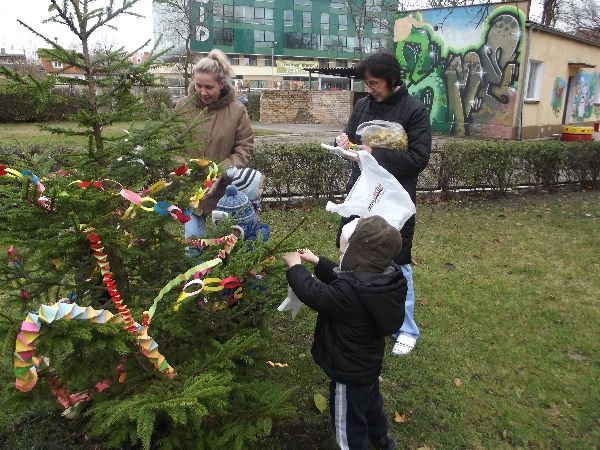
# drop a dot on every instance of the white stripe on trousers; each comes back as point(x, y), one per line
point(341, 412)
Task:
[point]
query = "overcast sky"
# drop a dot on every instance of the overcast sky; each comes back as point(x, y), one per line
point(132, 31)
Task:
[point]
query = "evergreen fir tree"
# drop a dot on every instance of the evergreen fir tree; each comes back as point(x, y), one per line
point(214, 341)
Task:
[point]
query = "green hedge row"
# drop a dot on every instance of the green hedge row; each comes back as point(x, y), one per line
point(23, 107)
point(307, 170)
point(502, 165)
point(304, 170)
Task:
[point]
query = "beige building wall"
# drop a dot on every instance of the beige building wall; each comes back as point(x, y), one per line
point(564, 64)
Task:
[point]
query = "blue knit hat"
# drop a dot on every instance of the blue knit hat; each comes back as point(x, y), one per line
point(246, 180)
point(237, 206)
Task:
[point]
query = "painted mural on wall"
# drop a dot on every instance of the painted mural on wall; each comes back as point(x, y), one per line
point(558, 95)
point(585, 93)
point(463, 63)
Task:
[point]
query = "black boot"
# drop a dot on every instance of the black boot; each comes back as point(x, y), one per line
point(384, 443)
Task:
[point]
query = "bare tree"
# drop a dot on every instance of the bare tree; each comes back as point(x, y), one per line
point(83, 18)
point(377, 13)
point(550, 12)
point(584, 18)
point(177, 25)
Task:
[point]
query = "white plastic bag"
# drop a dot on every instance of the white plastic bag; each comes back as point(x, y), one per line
point(376, 193)
point(383, 134)
point(291, 303)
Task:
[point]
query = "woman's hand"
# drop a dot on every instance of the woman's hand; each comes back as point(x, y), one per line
point(213, 188)
point(292, 258)
point(308, 256)
point(343, 141)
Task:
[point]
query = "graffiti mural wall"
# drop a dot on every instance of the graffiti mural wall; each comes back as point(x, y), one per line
point(585, 91)
point(558, 95)
point(463, 63)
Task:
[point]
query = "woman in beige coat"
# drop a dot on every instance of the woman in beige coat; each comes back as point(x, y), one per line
point(223, 130)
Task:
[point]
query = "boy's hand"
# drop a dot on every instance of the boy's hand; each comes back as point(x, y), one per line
point(292, 258)
point(308, 256)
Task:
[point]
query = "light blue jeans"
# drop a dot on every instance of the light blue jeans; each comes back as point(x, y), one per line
point(195, 227)
point(409, 327)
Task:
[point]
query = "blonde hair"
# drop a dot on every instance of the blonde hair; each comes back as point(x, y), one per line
point(217, 64)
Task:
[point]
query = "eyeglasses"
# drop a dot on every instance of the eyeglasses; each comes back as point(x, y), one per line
point(372, 84)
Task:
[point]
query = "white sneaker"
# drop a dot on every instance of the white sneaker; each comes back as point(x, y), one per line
point(404, 345)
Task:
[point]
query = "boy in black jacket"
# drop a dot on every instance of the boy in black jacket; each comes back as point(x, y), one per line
point(359, 304)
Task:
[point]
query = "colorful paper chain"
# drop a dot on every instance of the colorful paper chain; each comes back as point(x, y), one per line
point(26, 364)
point(145, 203)
point(12, 173)
point(107, 275)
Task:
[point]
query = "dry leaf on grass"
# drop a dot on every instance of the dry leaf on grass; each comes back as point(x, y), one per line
point(320, 402)
point(400, 418)
point(458, 382)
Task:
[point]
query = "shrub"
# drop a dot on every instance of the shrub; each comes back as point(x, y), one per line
point(155, 100)
point(19, 105)
point(253, 106)
point(301, 170)
point(502, 165)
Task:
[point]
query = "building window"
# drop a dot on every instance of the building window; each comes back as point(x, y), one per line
point(139, 60)
point(235, 60)
point(57, 64)
point(249, 60)
point(337, 4)
point(250, 14)
point(288, 18)
point(263, 38)
point(223, 36)
point(218, 13)
point(228, 13)
point(377, 44)
point(325, 21)
point(380, 25)
point(534, 80)
point(306, 19)
point(343, 22)
point(341, 63)
point(373, 6)
point(302, 2)
point(352, 43)
point(305, 41)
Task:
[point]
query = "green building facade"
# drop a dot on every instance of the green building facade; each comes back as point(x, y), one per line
point(287, 36)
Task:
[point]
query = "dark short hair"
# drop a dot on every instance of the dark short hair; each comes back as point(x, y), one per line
point(382, 64)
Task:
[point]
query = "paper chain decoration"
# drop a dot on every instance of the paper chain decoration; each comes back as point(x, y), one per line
point(107, 275)
point(26, 364)
point(145, 203)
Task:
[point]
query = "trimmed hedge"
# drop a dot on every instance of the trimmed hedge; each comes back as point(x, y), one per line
point(253, 106)
point(20, 106)
point(503, 165)
point(306, 170)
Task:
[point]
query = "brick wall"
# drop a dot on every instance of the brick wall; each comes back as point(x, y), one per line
point(305, 106)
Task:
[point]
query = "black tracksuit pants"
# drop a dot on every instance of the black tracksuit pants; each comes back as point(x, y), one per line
point(356, 414)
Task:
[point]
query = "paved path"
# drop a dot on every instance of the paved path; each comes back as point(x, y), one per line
point(297, 132)
point(307, 132)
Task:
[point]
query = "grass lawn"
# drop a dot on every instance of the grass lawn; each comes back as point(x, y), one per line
point(508, 298)
point(508, 305)
point(30, 134)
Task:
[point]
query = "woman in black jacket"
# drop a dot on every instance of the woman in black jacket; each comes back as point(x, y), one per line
point(389, 100)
